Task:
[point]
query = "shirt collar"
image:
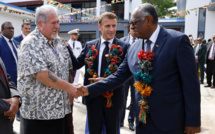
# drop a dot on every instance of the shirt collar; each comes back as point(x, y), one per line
point(7, 38)
point(23, 35)
point(103, 40)
point(154, 36)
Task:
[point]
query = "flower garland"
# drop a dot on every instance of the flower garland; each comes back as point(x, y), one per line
point(143, 79)
point(113, 58)
point(90, 58)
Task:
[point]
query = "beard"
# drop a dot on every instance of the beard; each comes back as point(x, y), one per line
point(54, 36)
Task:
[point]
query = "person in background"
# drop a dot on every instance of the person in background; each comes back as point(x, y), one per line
point(210, 56)
point(25, 30)
point(9, 101)
point(8, 50)
point(191, 40)
point(76, 48)
point(200, 53)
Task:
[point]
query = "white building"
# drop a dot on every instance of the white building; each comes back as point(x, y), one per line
point(201, 22)
point(15, 15)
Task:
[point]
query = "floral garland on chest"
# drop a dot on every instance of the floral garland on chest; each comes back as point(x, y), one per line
point(143, 79)
point(113, 58)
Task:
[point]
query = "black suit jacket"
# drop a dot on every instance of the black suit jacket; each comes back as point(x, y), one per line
point(7, 90)
point(201, 53)
point(80, 62)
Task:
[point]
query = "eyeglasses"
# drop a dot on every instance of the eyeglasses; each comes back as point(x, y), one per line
point(134, 22)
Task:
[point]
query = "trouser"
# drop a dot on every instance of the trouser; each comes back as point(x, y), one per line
point(210, 72)
point(57, 126)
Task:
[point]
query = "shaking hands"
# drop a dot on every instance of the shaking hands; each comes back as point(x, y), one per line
point(77, 90)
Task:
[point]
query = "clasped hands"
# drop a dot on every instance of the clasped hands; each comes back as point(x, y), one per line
point(81, 90)
point(77, 90)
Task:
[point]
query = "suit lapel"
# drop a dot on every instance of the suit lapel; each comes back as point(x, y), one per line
point(159, 42)
point(7, 46)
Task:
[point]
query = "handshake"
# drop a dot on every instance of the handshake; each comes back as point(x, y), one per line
point(77, 90)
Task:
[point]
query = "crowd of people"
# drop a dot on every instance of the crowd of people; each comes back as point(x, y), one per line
point(204, 55)
point(39, 75)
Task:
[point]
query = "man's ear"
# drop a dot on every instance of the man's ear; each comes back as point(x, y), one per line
point(40, 23)
point(99, 26)
point(150, 20)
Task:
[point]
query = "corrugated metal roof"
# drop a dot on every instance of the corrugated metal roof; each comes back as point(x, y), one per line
point(17, 7)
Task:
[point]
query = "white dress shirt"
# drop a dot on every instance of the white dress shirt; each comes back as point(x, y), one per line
point(153, 38)
point(78, 47)
point(101, 49)
point(211, 51)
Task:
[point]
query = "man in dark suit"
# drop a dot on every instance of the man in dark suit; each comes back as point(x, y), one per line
point(131, 40)
point(9, 101)
point(200, 53)
point(96, 107)
point(211, 63)
point(25, 30)
point(8, 51)
point(174, 103)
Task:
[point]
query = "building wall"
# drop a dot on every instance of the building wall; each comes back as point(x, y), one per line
point(16, 22)
point(191, 21)
point(210, 24)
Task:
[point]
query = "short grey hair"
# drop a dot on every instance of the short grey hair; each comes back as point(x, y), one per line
point(41, 13)
point(147, 9)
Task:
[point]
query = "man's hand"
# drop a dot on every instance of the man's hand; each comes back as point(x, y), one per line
point(73, 90)
point(96, 79)
point(192, 130)
point(197, 60)
point(14, 106)
point(83, 90)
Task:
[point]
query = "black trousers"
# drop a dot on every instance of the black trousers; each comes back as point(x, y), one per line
point(57, 126)
point(210, 72)
point(98, 112)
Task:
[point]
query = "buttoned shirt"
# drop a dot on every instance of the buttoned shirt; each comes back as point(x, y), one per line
point(36, 54)
point(78, 47)
point(131, 40)
point(211, 51)
point(153, 38)
point(102, 47)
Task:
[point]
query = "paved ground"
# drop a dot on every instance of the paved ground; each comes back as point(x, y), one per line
point(207, 114)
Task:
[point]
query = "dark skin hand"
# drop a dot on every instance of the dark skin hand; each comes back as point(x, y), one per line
point(192, 130)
